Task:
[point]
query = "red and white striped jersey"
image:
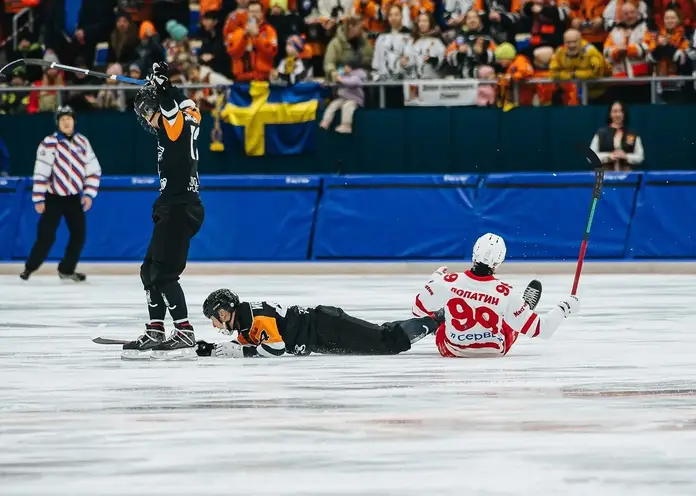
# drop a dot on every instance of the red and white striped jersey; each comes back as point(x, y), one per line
point(482, 315)
point(65, 167)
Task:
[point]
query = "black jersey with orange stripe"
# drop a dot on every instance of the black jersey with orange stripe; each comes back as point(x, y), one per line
point(177, 148)
point(260, 327)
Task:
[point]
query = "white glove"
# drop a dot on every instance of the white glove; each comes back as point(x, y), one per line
point(229, 349)
point(679, 57)
point(570, 305)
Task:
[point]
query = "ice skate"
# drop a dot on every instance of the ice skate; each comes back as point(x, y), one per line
point(181, 345)
point(24, 276)
point(75, 276)
point(141, 348)
point(439, 316)
point(532, 294)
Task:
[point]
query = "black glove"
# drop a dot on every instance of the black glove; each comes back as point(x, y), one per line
point(160, 76)
point(205, 349)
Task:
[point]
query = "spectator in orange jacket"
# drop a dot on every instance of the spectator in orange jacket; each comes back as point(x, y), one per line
point(236, 19)
point(625, 46)
point(210, 5)
point(513, 69)
point(587, 17)
point(667, 51)
point(667, 48)
point(253, 47)
point(372, 15)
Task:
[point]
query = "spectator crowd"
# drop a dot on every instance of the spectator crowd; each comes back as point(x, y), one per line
point(286, 41)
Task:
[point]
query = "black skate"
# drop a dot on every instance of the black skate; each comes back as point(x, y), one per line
point(24, 276)
point(141, 348)
point(75, 276)
point(532, 294)
point(439, 316)
point(180, 345)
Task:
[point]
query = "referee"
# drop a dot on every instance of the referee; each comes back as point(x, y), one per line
point(66, 180)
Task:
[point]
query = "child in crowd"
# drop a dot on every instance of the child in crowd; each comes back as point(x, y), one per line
point(292, 68)
point(350, 96)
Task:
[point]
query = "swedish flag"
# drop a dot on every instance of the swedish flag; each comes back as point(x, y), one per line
point(273, 120)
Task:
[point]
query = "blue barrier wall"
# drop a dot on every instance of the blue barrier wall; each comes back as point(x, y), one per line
point(541, 216)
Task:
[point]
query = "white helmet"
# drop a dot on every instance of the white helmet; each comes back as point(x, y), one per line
point(489, 250)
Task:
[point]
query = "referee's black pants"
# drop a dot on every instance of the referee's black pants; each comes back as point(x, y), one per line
point(57, 207)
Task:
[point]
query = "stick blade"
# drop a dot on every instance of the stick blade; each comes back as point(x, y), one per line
point(6, 71)
point(100, 340)
point(593, 160)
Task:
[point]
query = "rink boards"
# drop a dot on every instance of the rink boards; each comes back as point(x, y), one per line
point(296, 218)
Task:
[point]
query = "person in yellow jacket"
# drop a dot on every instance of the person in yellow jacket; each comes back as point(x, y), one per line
point(578, 59)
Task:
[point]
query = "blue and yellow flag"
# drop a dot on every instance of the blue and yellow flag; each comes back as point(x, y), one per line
point(273, 120)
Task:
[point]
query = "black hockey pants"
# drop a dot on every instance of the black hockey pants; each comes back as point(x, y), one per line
point(166, 258)
point(58, 207)
point(330, 330)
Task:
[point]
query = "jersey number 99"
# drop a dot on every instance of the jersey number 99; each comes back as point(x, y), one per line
point(464, 317)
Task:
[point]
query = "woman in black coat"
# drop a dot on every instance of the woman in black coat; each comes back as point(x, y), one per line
point(618, 146)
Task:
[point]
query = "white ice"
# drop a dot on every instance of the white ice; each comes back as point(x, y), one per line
point(608, 406)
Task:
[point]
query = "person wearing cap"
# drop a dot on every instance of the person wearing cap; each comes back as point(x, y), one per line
point(66, 180)
point(292, 69)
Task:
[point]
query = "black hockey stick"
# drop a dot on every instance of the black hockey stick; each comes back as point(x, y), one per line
point(7, 70)
point(100, 340)
point(593, 159)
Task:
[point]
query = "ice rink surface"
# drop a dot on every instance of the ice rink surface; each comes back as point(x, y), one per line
point(608, 406)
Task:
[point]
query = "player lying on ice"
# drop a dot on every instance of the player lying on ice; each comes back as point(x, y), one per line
point(482, 315)
point(268, 330)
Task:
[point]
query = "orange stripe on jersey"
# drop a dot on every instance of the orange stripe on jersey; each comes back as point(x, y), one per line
point(195, 113)
point(264, 330)
point(174, 130)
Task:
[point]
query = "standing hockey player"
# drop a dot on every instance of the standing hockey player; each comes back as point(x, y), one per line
point(482, 316)
point(177, 214)
point(268, 330)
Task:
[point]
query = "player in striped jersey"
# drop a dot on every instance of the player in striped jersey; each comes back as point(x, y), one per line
point(66, 180)
point(483, 317)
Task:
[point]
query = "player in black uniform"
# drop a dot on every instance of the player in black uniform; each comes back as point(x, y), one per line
point(177, 214)
point(268, 329)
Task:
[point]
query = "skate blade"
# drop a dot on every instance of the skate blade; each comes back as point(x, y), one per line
point(135, 355)
point(179, 354)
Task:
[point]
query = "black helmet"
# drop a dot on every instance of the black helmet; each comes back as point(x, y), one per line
point(220, 299)
point(145, 105)
point(64, 110)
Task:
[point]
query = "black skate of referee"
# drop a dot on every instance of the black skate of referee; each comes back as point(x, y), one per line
point(267, 329)
point(177, 215)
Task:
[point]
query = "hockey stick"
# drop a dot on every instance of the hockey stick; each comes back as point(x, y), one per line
point(593, 159)
point(7, 70)
point(100, 340)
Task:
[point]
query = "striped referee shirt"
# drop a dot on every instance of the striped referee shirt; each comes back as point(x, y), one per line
point(65, 166)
